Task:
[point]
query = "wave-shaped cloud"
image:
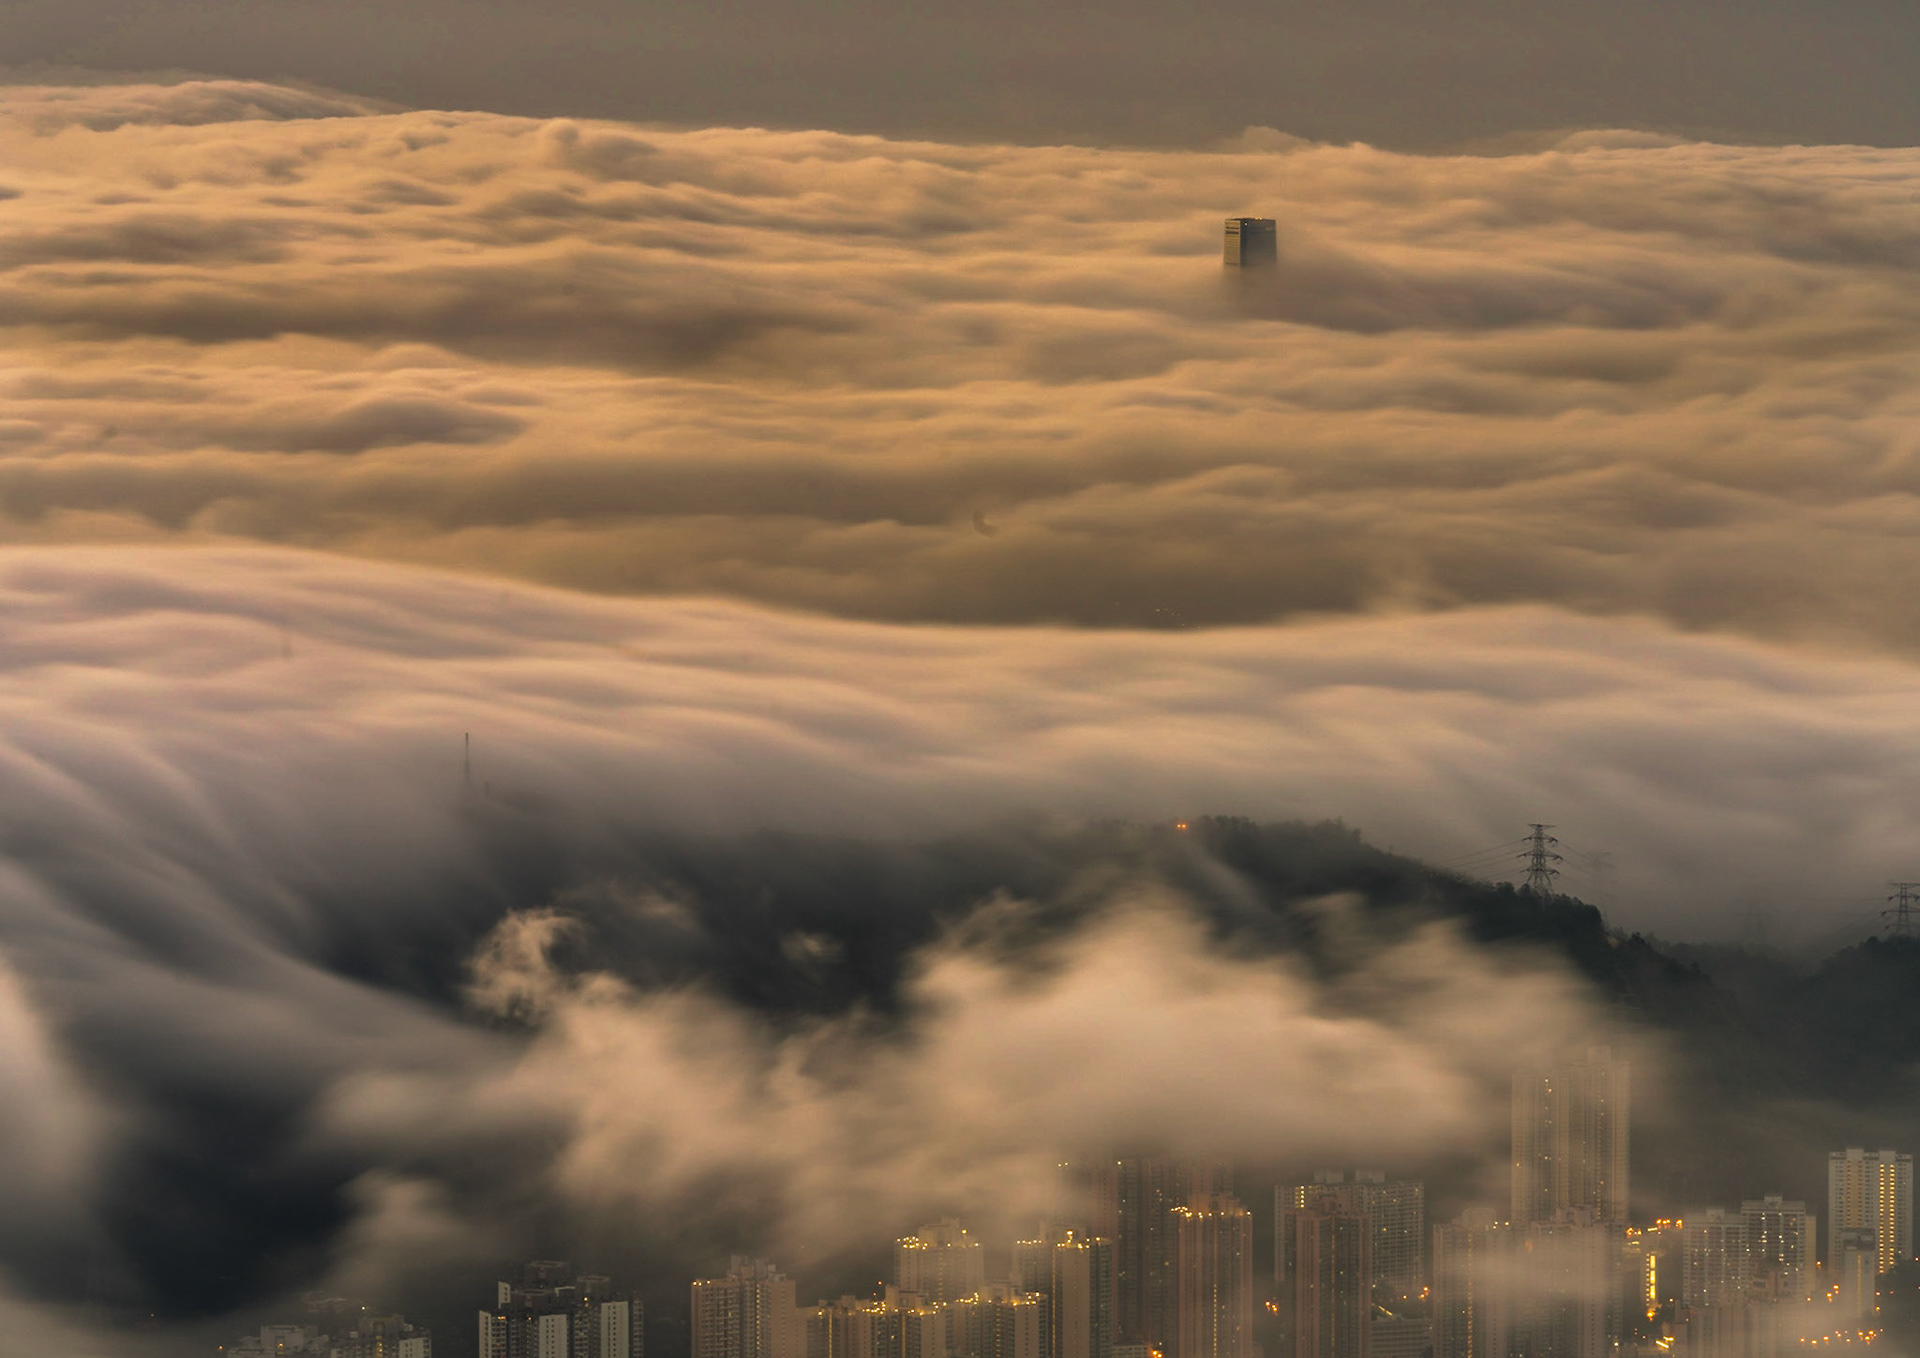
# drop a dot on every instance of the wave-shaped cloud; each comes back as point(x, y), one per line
point(1617, 374)
point(337, 693)
point(243, 855)
point(102, 105)
point(245, 864)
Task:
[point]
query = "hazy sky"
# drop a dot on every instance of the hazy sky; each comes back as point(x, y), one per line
point(721, 480)
point(1394, 72)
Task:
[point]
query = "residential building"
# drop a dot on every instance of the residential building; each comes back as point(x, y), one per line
point(1873, 1190)
point(1215, 1279)
point(1571, 1134)
point(940, 1263)
point(748, 1313)
point(1780, 1237)
point(550, 1315)
point(1472, 1261)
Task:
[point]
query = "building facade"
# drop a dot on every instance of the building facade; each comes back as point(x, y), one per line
point(941, 1263)
point(751, 1312)
point(1472, 1261)
point(1133, 1205)
point(1873, 1190)
point(1215, 1279)
point(1332, 1266)
point(1251, 242)
point(550, 1315)
point(1571, 1139)
point(1780, 1237)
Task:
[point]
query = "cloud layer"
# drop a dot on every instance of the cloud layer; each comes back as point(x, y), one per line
point(244, 865)
point(149, 689)
point(930, 382)
point(1557, 486)
point(1133, 1034)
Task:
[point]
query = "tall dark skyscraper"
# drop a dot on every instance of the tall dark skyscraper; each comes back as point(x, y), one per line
point(1571, 1127)
point(1251, 242)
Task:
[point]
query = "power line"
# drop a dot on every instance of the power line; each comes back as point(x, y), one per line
point(1497, 851)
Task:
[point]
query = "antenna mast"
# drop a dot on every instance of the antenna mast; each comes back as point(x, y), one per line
point(1541, 859)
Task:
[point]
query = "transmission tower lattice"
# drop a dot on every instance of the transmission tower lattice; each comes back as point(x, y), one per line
point(1906, 904)
point(1541, 859)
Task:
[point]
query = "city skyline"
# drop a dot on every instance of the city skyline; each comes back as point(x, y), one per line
point(1349, 1267)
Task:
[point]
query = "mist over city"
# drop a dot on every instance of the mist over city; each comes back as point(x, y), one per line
point(819, 681)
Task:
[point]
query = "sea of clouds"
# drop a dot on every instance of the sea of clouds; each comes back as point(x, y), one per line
point(928, 382)
point(1575, 484)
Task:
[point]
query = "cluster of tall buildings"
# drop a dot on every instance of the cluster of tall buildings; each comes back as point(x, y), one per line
point(1155, 1259)
point(553, 1313)
point(1349, 1265)
point(1565, 1273)
point(335, 1327)
point(1161, 1262)
point(549, 1313)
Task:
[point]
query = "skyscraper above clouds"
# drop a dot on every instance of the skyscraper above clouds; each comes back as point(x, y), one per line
point(1251, 242)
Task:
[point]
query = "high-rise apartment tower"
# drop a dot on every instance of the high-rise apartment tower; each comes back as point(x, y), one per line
point(1332, 1264)
point(750, 1313)
point(1215, 1279)
point(1571, 1128)
point(940, 1262)
point(1398, 1209)
point(1134, 1202)
point(1873, 1190)
point(1780, 1247)
point(1472, 1269)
